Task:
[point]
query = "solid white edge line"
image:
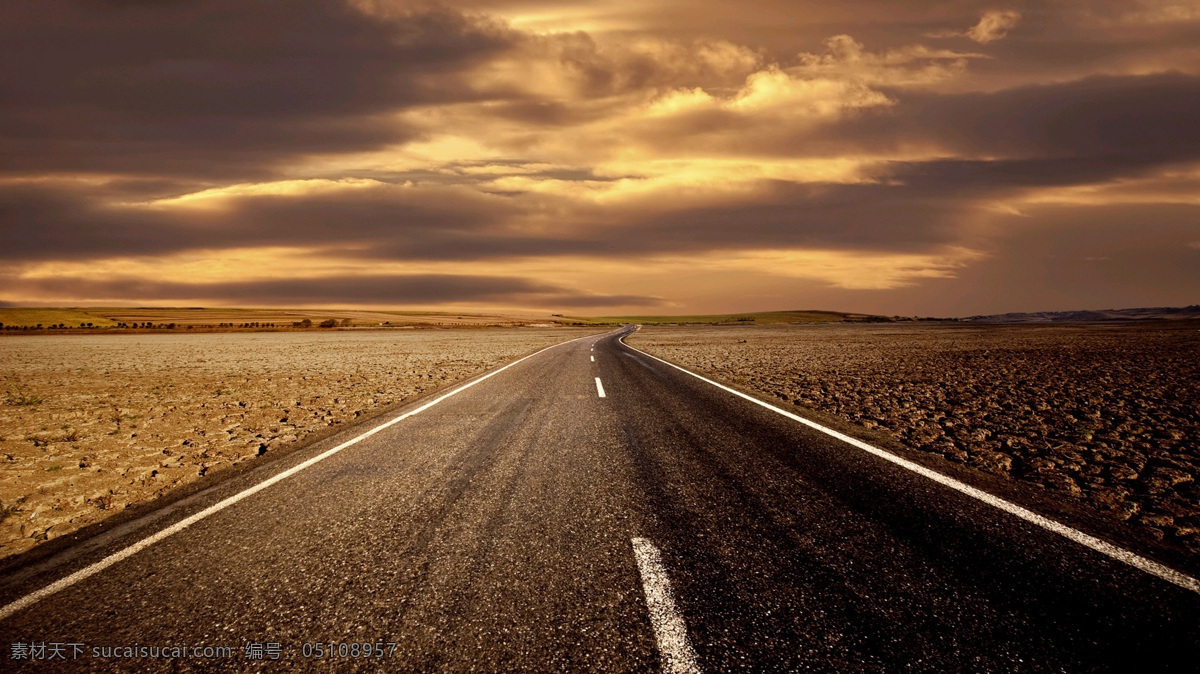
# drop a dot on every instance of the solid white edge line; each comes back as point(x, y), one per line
point(1104, 547)
point(93, 569)
point(599, 388)
point(669, 629)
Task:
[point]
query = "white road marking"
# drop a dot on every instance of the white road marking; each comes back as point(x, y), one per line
point(599, 387)
point(1104, 547)
point(669, 629)
point(103, 564)
point(593, 359)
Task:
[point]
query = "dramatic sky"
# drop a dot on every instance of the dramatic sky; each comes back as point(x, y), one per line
point(936, 158)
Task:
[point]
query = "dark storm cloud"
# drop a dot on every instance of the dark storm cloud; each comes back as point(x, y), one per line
point(388, 222)
point(1101, 257)
point(51, 222)
point(1144, 120)
point(650, 139)
point(440, 224)
point(41, 222)
point(379, 289)
point(865, 217)
point(217, 88)
point(923, 206)
point(1140, 121)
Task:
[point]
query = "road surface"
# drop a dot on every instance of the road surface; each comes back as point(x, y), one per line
point(591, 508)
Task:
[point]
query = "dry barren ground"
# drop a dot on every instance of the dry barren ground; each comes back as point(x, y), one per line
point(93, 423)
point(1108, 415)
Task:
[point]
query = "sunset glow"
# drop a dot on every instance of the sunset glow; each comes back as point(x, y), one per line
point(602, 157)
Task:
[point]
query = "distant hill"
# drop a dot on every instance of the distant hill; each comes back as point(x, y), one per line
point(1102, 315)
point(750, 318)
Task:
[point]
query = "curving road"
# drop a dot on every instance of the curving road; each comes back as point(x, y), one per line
point(591, 508)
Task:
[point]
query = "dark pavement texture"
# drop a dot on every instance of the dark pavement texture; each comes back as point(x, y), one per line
point(492, 532)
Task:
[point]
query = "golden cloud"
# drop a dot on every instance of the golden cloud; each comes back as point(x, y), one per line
point(994, 25)
point(606, 148)
point(218, 196)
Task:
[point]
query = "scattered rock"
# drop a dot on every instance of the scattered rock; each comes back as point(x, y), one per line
point(992, 462)
point(1062, 483)
point(1158, 520)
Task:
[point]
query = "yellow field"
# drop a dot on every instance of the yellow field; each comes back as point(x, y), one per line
point(237, 317)
point(218, 317)
point(48, 316)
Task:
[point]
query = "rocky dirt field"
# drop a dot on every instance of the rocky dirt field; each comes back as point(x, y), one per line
point(91, 424)
point(1106, 415)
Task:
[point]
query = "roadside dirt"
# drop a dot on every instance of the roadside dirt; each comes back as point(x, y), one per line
point(1104, 415)
point(92, 424)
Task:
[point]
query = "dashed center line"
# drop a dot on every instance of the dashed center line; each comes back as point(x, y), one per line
point(96, 567)
point(669, 629)
point(599, 388)
point(593, 359)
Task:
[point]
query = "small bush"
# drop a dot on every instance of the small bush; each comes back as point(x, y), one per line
point(7, 511)
point(329, 323)
point(17, 397)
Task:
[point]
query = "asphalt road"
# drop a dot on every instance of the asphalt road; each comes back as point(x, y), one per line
point(527, 523)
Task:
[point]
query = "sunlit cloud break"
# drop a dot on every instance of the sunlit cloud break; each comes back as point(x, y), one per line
point(699, 157)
